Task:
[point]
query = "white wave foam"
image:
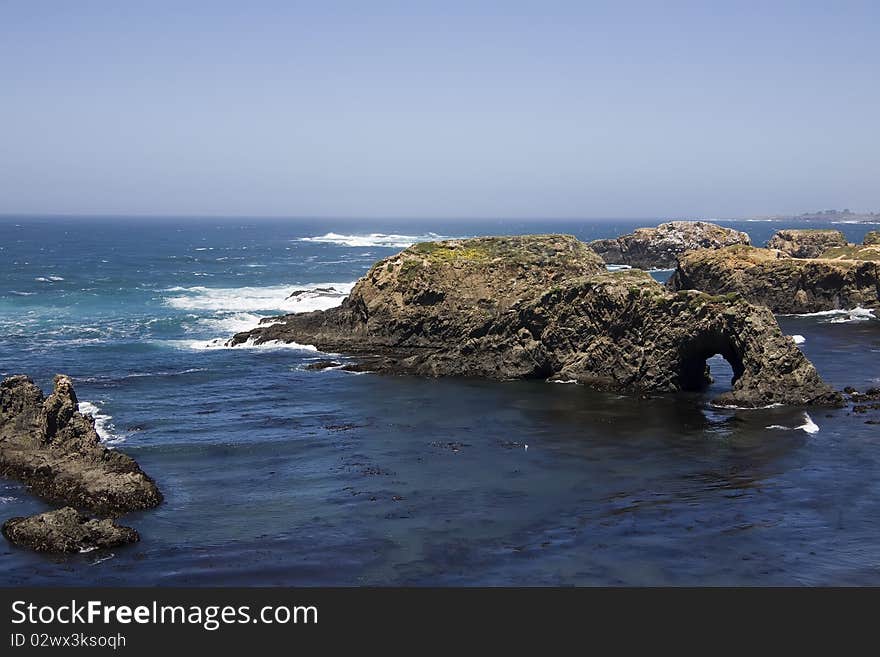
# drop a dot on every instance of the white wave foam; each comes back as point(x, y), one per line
point(221, 343)
point(809, 426)
point(275, 298)
point(6, 499)
point(857, 314)
point(373, 239)
point(230, 324)
point(48, 279)
point(104, 426)
point(798, 339)
point(617, 267)
point(734, 407)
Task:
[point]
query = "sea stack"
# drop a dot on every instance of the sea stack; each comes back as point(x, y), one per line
point(543, 307)
point(49, 445)
point(660, 247)
point(806, 243)
point(842, 279)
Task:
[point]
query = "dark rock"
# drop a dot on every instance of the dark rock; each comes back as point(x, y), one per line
point(319, 291)
point(783, 284)
point(54, 449)
point(806, 243)
point(554, 314)
point(323, 365)
point(66, 530)
point(649, 248)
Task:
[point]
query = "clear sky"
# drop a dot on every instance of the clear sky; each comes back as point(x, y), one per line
point(440, 109)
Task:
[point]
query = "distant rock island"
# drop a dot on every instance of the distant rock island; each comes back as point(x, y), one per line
point(659, 248)
point(846, 215)
point(543, 307)
point(842, 277)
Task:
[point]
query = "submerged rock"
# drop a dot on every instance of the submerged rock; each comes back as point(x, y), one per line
point(843, 279)
point(66, 530)
point(54, 449)
point(659, 248)
point(806, 243)
point(543, 307)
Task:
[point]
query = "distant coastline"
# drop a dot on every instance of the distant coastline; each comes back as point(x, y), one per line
point(835, 216)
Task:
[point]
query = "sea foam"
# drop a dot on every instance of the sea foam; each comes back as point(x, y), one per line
point(857, 314)
point(104, 426)
point(275, 298)
point(373, 239)
point(809, 426)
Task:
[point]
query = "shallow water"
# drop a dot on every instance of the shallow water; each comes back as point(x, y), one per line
point(278, 475)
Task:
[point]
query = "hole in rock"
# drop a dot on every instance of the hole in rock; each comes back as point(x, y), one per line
point(709, 358)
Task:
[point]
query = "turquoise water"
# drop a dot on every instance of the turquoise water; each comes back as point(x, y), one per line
point(277, 475)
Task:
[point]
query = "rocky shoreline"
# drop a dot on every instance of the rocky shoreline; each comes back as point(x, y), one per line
point(543, 307)
point(47, 444)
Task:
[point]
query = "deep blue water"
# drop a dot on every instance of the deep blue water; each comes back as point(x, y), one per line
point(277, 475)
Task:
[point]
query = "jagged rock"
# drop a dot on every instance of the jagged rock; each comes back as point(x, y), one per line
point(66, 530)
point(317, 291)
point(323, 365)
point(54, 449)
point(650, 248)
point(536, 307)
point(783, 284)
point(806, 243)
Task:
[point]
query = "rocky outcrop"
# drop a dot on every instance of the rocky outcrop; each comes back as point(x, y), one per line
point(659, 248)
point(66, 530)
point(49, 445)
point(543, 307)
point(872, 238)
point(785, 285)
point(806, 243)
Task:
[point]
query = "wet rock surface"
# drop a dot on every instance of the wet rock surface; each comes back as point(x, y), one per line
point(66, 530)
point(659, 248)
point(543, 307)
point(843, 279)
point(806, 243)
point(46, 443)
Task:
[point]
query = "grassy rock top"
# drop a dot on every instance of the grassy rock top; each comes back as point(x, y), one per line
point(853, 252)
point(806, 242)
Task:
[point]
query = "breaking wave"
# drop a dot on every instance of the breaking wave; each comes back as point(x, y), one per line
point(857, 314)
point(104, 426)
point(391, 241)
point(275, 298)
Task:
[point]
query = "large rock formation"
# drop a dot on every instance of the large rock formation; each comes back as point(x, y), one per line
point(659, 248)
point(536, 307)
point(872, 238)
point(66, 530)
point(806, 243)
point(843, 279)
point(54, 449)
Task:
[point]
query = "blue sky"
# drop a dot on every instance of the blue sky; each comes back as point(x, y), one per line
point(441, 109)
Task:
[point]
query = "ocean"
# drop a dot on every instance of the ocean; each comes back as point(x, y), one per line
point(276, 475)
